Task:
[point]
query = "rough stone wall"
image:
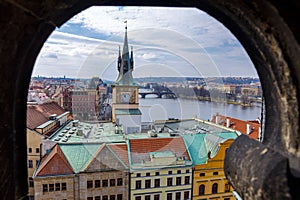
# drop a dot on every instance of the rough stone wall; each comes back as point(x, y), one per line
point(269, 31)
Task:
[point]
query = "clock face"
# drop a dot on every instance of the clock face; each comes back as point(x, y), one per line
point(125, 98)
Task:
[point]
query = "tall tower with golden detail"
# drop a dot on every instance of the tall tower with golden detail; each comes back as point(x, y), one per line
point(125, 96)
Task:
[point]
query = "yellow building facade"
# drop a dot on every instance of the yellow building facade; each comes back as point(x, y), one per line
point(161, 183)
point(34, 141)
point(209, 180)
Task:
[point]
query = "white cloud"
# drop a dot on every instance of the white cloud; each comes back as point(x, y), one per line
point(186, 40)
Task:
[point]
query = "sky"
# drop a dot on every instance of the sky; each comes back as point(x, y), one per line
point(167, 42)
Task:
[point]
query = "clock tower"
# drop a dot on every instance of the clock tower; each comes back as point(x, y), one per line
point(125, 94)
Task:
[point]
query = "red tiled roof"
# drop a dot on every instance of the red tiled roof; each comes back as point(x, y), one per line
point(54, 163)
point(121, 150)
point(34, 117)
point(38, 114)
point(139, 148)
point(240, 125)
point(50, 108)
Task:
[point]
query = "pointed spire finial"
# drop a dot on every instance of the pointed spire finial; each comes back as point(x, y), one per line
point(125, 25)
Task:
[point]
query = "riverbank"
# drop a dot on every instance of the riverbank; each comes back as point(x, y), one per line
point(228, 101)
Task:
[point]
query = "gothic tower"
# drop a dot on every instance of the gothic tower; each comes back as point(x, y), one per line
point(125, 96)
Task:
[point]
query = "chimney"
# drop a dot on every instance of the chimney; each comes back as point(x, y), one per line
point(217, 119)
point(227, 122)
point(248, 129)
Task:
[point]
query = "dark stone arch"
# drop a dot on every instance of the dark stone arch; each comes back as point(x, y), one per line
point(269, 32)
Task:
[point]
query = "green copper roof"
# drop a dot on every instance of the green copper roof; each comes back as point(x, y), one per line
point(128, 112)
point(78, 155)
point(196, 147)
point(227, 135)
point(199, 145)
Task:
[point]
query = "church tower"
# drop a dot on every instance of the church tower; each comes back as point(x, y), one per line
point(125, 95)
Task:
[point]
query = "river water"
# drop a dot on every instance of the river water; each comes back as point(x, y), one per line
point(160, 109)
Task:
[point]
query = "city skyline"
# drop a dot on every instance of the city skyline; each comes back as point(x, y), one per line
point(86, 46)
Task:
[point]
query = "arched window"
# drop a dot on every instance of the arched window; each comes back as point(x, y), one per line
point(215, 188)
point(201, 189)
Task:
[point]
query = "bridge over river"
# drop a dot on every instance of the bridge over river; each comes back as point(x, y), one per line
point(157, 93)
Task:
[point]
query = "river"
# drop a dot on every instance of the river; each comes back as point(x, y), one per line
point(160, 109)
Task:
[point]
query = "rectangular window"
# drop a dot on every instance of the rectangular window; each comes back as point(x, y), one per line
point(148, 183)
point(187, 171)
point(147, 197)
point(37, 150)
point(215, 173)
point(156, 173)
point(97, 183)
point(138, 184)
point(45, 187)
point(112, 197)
point(186, 180)
point(138, 198)
point(156, 197)
point(90, 198)
point(169, 196)
point(178, 171)
point(105, 197)
point(227, 187)
point(105, 183)
point(37, 162)
point(169, 172)
point(202, 174)
point(29, 150)
point(119, 182)
point(112, 182)
point(51, 187)
point(148, 174)
point(186, 195)
point(64, 186)
point(89, 184)
point(169, 181)
point(119, 197)
point(31, 183)
point(30, 164)
point(157, 183)
point(57, 186)
point(178, 195)
point(138, 175)
point(178, 180)
point(97, 198)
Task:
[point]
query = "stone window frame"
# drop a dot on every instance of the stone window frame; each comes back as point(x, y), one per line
point(119, 181)
point(97, 183)
point(89, 184)
point(178, 196)
point(266, 32)
point(170, 181)
point(201, 190)
point(112, 182)
point(214, 188)
point(147, 183)
point(105, 183)
point(187, 180)
point(178, 180)
point(138, 184)
point(156, 182)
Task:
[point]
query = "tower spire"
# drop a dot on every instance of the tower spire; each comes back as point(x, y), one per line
point(125, 63)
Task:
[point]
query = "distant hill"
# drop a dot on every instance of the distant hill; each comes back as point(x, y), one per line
point(224, 80)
